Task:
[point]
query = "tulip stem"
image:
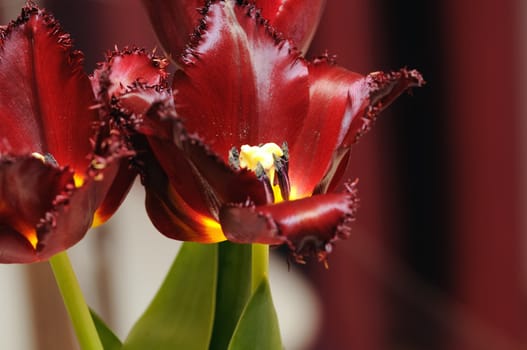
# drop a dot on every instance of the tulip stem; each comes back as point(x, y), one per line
point(260, 264)
point(74, 301)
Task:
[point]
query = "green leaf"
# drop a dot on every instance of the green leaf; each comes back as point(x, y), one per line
point(258, 327)
point(181, 314)
point(108, 338)
point(233, 291)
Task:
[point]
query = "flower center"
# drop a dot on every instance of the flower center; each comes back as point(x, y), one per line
point(251, 157)
point(270, 164)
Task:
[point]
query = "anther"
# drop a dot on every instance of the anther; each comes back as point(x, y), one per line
point(47, 158)
point(261, 174)
point(234, 158)
point(281, 177)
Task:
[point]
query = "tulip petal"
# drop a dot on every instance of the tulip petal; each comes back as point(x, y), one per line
point(133, 78)
point(111, 168)
point(174, 21)
point(125, 70)
point(296, 19)
point(28, 188)
point(72, 215)
point(171, 214)
point(342, 107)
point(44, 94)
point(309, 226)
point(240, 84)
point(42, 211)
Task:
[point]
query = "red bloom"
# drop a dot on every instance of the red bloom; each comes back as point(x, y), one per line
point(176, 20)
point(56, 173)
point(240, 85)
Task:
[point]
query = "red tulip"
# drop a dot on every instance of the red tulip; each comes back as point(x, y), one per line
point(240, 85)
point(175, 21)
point(56, 170)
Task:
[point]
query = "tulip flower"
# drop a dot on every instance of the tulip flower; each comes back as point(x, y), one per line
point(256, 138)
point(56, 170)
point(176, 20)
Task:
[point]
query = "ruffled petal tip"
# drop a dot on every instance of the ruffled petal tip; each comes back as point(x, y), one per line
point(384, 88)
point(308, 226)
point(127, 69)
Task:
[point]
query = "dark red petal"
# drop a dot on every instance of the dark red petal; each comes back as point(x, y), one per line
point(331, 111)
point(72, 213)
point(120, 187)
point(342, 107)
point(126, 84)
point(28, 188)
point(308, 226)
point(296, 19)
point(125, 70)
point(45, 97)
point(42, 211)
point(173, 215)
point(239, 84)
point(15, 248)
point(381, 90)
point(174, 21)
point(110, 167)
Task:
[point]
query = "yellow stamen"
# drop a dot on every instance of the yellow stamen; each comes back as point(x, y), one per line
point(39, 157)
point(277, 194)
point(251, 156)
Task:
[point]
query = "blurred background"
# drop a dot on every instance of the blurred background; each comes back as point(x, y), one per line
point(438, 257)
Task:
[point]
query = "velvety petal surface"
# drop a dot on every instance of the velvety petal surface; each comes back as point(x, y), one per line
point(240, 84)
point(343, 105)
point(295, 19)
point(45, 97)
point(174, 21)
point(309, 226)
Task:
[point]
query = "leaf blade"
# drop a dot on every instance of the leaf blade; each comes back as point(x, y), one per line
point(258, 326)
point(181, 314)
point(108, 338)
point(233, 291)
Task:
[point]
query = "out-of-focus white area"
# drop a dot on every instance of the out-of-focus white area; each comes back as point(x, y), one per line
point(296, 304)
point(139, 258)
point(14, 309)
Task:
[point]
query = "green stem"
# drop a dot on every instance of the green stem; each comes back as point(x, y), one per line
point(260, 264)
point(74, 301)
